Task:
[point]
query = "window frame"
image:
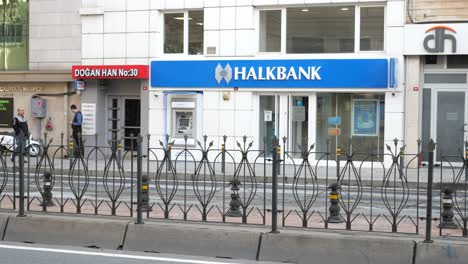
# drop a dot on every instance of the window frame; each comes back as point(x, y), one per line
point(186, 43)
point(357, 30)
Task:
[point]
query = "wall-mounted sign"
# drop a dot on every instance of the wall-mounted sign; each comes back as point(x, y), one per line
point(79, 85)
point(268, 115)
point(422, 39)
point(6, 112)
point(334, 120)
point(298, 114)
point(365, 117)
point(89, 119)
point(110, 72)
point(435, 40)
point(339, 73)
point(12, 88)
point(332, 131)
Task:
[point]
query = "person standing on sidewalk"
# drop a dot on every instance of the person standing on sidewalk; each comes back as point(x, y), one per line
point(76, 128)
point(20, 125)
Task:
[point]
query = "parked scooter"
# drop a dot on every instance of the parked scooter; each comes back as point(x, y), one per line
point(7, 143)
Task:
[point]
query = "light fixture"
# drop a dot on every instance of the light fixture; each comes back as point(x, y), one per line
point(199, 23)
point(344, 9)
point(305, 10)
point(179, 18)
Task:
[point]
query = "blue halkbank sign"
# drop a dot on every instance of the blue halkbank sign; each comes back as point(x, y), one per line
point(329, 73)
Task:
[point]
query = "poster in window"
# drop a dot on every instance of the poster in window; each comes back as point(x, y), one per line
point(365, 117)
point(6, 112)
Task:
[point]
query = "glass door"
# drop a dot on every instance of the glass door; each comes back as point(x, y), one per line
point(132, 122)
point(299, 117)
point(450, 124)
point(123, 120)
point(268, 121)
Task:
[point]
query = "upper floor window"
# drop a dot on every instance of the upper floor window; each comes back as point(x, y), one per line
point(14, 35)
point(322, 29)
point(183, 33)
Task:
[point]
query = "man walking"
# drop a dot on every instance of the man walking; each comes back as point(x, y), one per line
point(20, 125)
point(76, 128)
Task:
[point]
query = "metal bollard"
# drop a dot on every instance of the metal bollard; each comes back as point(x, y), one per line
point(447, 213)
point(234, 205)
point(145, 194)
point(47, 197)
point(335, 217)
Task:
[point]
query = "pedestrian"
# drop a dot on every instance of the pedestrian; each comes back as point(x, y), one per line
point(76, 128)
point(20, 125)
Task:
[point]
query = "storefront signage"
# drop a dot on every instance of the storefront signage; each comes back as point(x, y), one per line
point(365, 117)
point(20, 89)
point(6, 112)
point(298, 114)
point(435, 39)
point(110, 72)
point(268, 115)
point(89, 119)
point(423, 39)
point(332, 73)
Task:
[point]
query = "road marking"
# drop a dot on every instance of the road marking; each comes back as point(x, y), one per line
point(113, 255)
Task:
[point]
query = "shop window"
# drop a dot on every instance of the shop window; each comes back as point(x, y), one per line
point(270, 31)
point(14, 35)
point(300, 124)
point(445, 78)
point(457, 62)
point(175, 33)
point(320, 29)
point(372, 28)
point(341, 117)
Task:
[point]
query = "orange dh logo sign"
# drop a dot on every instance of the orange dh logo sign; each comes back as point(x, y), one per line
point(436, 42)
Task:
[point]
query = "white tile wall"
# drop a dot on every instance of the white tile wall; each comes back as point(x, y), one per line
point(244, 43)
point(227, 18)
point(227, 3)
point(226, 105)
point(175, 4)
point(92, 61)
point(194, 4)
point(394, 40)
point(211, 3)
point(226, 124)
point(156, 127)
point(115, 22)
point(114, 45)
point(290, 2)
point(155, 44)
point(265, 2)
point(245, 17)
point(115, 5)
point(138, 4)
point(92, 24)
point(212, 40)
point(155, 17)
point(138, 21)
point(137, 61)
point(228, 45)
point(92, 46)
point(243, 100)
point(395, 13)
point(211, 122)
point(211, 18)
point(243, 123)
point(211, 100)
point(114, 61)
point(138, 45)
point(244, 3)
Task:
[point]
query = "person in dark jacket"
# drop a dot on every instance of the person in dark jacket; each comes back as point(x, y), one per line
point(20, 125)
point(76, 129)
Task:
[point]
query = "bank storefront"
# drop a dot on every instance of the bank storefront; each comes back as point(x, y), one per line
point(306, 101)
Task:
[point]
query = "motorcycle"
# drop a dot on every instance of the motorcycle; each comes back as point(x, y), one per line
point(7, 143)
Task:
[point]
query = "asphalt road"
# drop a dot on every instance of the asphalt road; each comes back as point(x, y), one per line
point(17, 253)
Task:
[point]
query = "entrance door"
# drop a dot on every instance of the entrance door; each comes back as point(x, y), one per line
point(268, 120)
point(450, 124)
point(124, 120)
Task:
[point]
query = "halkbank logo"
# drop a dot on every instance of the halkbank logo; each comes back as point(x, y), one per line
point(227, 73)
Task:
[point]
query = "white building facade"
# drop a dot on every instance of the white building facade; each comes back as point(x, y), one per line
point(311, 71)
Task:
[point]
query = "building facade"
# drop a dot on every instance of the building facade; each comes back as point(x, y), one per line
point(436, 76)
point(39, 42)
point(310, 71)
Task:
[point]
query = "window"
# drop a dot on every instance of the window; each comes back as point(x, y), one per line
point(14, 32)
point(344, 116)
point(175, 33)
point(270, 31)
point(457, 61)
point(372, 28)
point(320, 30)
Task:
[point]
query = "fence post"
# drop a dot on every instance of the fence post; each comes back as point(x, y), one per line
point(139, 177)
point(430, 178)
point(274, 182)
point(21, 173)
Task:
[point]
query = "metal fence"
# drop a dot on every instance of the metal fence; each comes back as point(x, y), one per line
point(339, 189)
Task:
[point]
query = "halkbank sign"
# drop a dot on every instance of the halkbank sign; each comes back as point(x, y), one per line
point(352, 73)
